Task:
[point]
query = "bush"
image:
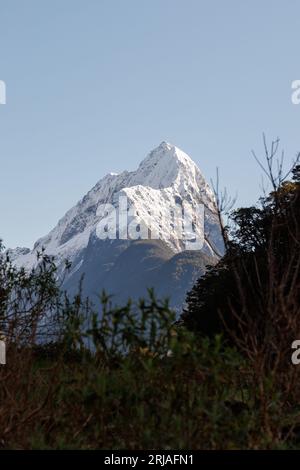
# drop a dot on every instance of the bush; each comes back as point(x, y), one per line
point(122, 378)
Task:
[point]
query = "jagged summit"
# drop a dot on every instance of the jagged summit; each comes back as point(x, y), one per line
point(159, 169)
point(161, 166)
point(166, 149)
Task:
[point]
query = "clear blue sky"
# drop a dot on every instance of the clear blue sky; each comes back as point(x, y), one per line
point(93, 85)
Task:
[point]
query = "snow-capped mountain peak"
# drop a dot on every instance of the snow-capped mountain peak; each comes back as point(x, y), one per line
point(167, 175)
point(161, 167)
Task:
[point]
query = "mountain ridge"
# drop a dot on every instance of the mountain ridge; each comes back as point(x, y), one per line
point(166, 178)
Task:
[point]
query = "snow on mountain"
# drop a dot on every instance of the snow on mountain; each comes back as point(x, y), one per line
point(167, 176)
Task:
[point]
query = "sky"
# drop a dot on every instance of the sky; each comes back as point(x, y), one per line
point(94, 85)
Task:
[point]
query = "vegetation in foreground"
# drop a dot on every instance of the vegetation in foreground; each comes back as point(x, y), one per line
point(133, 378)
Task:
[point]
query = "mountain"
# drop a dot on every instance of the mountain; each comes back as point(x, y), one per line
point(153, 227)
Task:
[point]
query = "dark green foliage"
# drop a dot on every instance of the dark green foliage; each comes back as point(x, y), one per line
point(124, 377)
point(262, 256)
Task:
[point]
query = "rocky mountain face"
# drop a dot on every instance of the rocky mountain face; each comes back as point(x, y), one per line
point(155, 227)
